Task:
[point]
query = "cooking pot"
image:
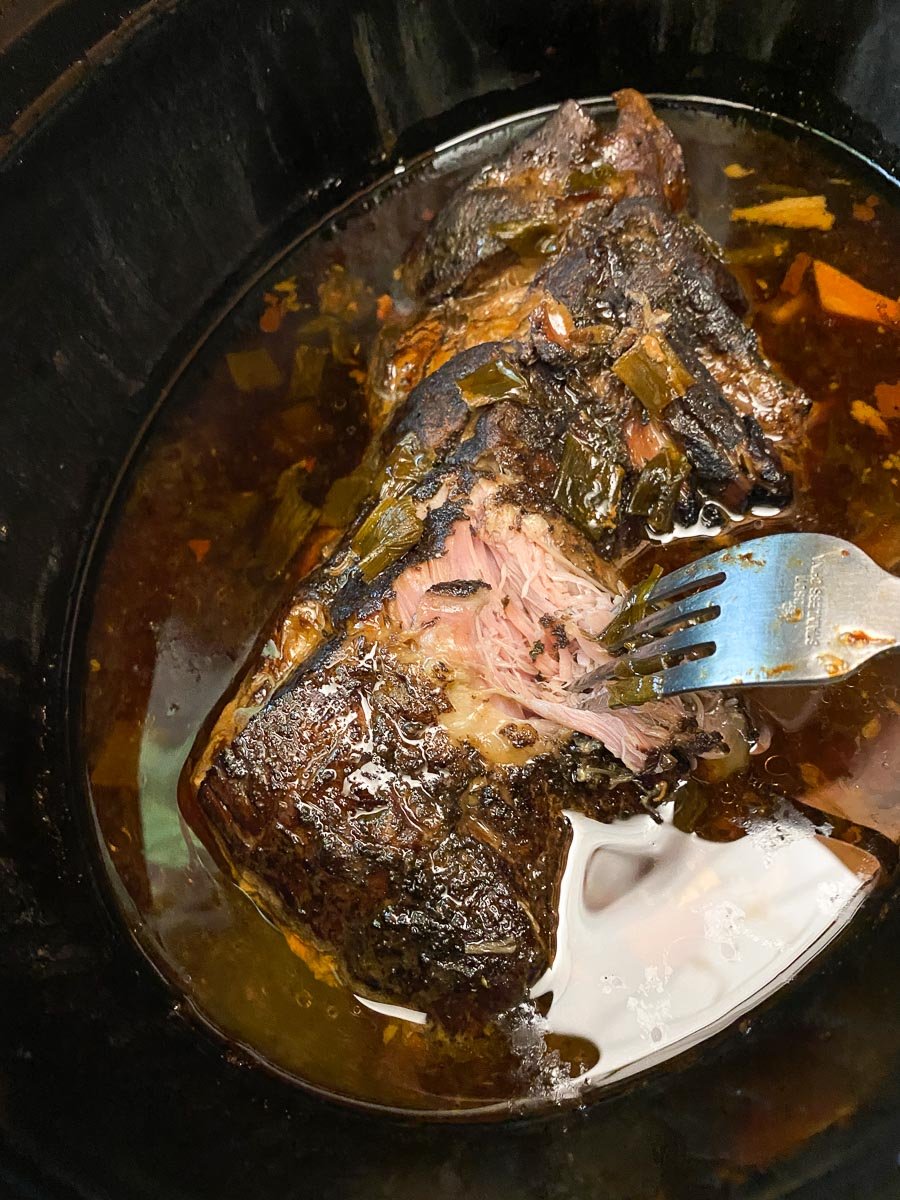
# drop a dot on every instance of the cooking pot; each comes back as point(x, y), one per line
point(151, 156)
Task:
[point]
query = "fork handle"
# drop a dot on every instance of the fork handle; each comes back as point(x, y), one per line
point(878, 629)
point(882, 608)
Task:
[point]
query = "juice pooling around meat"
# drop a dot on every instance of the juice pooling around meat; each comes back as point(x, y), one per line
point(667, 930)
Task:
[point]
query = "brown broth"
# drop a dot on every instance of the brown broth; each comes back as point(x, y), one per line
point(191, 571)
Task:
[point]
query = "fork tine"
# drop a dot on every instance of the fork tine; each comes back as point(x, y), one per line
point(688, 676)
point(675, 643)
point(681, 610)
point(703, 572)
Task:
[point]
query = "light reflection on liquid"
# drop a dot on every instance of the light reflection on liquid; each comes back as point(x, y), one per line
point(664, 938)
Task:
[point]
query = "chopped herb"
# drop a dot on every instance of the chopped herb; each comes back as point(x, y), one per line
point(390, 529)
point(494, 380)
point(654, 372)
point(656, 491)
point(343, 341)
point(760, 250)
point(405, 466)
point(536, 651)
point(589, 482)
point(344, 295)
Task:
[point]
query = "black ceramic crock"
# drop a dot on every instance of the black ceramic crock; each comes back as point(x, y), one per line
point(149, 156)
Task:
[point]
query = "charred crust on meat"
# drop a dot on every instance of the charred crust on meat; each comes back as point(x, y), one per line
point(459, 587)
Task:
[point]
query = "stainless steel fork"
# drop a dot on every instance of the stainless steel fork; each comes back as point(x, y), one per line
point(791, 608)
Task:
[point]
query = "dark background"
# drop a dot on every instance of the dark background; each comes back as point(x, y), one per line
point(148, 157)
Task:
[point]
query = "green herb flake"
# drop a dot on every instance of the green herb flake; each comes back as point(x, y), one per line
point(494, 380)
point(654, 372)
point(390, 529)
point(536, 651)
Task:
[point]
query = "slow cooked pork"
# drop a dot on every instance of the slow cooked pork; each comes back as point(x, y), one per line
point(388, 780)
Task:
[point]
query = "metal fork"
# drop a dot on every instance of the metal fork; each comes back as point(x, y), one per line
point(790, 608)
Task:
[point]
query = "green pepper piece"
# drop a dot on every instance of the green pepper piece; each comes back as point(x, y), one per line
point(292, 520)
point(527, 238)
point(635, 606)
point(390, 529)
point(406, 465)
point(656, 491)
point(637, 689)
point(494, 380)
point(691, 802)
point(654, 372)
point(589, 483)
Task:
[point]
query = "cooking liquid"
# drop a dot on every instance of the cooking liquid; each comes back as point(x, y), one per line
point(667, 932)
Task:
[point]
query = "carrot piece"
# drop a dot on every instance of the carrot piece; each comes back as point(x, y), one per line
point(863, 212)
point(383, 307)
point(843, 296)
point(791, 212)
point(793, 276)
point(865, 414)
point(199, 547)
point(887, 397)
point(271, 318)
